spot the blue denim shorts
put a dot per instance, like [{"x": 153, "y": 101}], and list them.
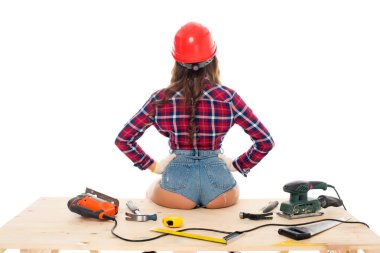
[{"x": 198, "y": 175}]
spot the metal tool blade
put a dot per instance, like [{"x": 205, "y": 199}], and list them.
[
  {"x": 307, "y": 231},
  {"x": 137, "y": 215},
  {"x": 299, "y": 216},
  {"x": 102, "y": 196},
  {"x": 323, "y": 226},
  {"x": 140, "y": 217}
]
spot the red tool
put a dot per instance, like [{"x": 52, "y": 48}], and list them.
[{"x": 94, "y": 204}]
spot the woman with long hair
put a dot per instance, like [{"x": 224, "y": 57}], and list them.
[{"x": 195, "y": 112}]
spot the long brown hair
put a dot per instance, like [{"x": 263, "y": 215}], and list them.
[{"x": 190, "y": 83}]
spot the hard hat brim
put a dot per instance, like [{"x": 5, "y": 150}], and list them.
[{"x": 193, "y": 59}]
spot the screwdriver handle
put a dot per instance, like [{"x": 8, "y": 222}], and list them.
[
  {"x": 270, "y": 206},
  {"x": 251, "y": 216}
]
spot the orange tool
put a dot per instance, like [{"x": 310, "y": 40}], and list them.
[{"x": 94, "y": 204}]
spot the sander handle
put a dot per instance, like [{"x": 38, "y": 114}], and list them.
[
  {"x": 304, "y": 186},
  {"x": 318, "y": 185}
]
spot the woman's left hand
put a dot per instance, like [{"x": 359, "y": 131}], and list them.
[
  {"x": 160, "y": 167},
  {"x": 228, "y": 162}
]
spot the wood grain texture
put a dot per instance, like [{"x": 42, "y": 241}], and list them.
[
  {"x": 48, "y": 224},
  {"x": 34, "y": 251}
]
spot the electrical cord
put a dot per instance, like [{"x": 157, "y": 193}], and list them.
[
  {"x": 132, "y": 240},
  {"x": 156, "y": 237},
  {"x": 238, "y": 232},
  {"x": 301, "y": 224},
  {"x": 224, "y": 232},
  {"x": 331, "y": 186}
]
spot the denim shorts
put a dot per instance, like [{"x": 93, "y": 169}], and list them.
[{"x": 198, "y": 175}]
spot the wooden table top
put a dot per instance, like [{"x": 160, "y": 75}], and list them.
[{"x": 48, "y": 224}]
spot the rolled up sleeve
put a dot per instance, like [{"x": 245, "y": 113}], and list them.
[
  {"x": 260, "y": 136},
  {"x": 132, "y": 131}
]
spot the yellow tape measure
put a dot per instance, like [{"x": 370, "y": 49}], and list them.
[{"x": 172, "y": 221}]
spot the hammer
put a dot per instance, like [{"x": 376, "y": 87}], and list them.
[{"x": 136, "y": 215}]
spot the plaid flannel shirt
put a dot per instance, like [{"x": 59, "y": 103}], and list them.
[{"x": 218, "y": 109}]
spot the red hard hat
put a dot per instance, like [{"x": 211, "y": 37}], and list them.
[{"x": 193, "y": 43}]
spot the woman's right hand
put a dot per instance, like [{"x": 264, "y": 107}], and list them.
[
  {"x": 228, "y": 162},
  {"x": 160, "y": 167}
]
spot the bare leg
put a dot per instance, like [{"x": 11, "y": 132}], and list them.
[
  {"x": 168, "y": 199},
  {"x": 226, "y": 199}
]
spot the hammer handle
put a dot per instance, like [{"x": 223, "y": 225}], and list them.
[{"x": 132, "y": 207}]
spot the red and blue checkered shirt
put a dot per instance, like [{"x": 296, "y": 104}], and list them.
[{"x": 218, "y": 109}]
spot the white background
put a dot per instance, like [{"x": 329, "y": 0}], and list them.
[{"x": 72, "y": 73}]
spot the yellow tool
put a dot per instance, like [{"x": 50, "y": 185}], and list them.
[
  {"x": 223, "y": 240},
  {"x": 190, "y": 235},
  {"x": 172, "y": 221}
]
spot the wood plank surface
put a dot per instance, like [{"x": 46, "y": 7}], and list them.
[
  {"x": 48, "y": 224},
  {"x": 34, "y": 251}
]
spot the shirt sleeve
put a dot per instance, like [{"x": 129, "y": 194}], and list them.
[
  {"x": 262, "y": 140},
  {"x": 132, "y": 131}
]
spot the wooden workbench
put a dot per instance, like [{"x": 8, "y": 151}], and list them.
[{"x": 48, "y": 225}]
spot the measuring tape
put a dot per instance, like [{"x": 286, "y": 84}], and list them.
[{"x": 172, "y": 221}]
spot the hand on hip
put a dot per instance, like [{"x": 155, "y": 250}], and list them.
[
  {"x": 228, "y": 162},
  {"x": 160, "y": 167}
]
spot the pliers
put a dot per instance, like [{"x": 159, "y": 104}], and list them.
[{"x": 251, "y": 216}]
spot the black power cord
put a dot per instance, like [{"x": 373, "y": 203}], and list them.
[
  {"x": 132, "y": 240},
  {"x": 331, "y": 186},
  {"x": 226, "y": 232},
  {"x": 301, "y": 224},
  {"x": 237, "y": 232}
]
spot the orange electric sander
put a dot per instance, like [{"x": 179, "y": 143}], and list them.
[{"x": 94, "y": 204}]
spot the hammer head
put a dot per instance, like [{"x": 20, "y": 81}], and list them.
[{"x": 140, "y": 217}]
